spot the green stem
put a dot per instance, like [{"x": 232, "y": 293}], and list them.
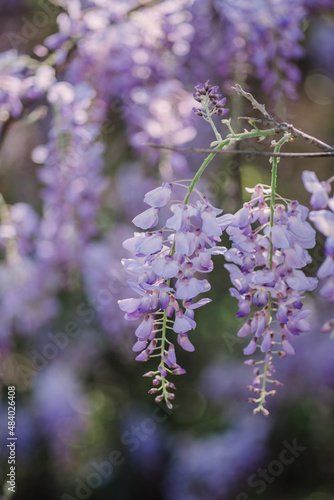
[
  {"x": 205, "y": 163},
  {"x": 229, "y": 139},
  {"x": 163, "y": 340},
  {"x": 274, "y": 161},
  {"x": 205, "y": 104}
]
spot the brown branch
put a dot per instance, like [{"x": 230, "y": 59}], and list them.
[
  {"x": 287, "y": 127},
  {"x": 256, "y": 105},
  {"x": 240, "y": 152}
]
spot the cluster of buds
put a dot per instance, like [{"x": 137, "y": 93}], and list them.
[{"x": 212, "y": 103}]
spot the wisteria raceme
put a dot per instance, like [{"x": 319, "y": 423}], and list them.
[
  {"x": 21, "y": 81},
  {"x": 323, "y": 218},
  {"x": 163, "y": 275},
  {"x": 27, "y": 292},
  {"x": 71, "y": 172},
  {"x": 265, "y": 270}
]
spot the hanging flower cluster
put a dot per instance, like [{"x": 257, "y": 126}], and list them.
[
  {"x": 163, "y": 276},
  {"x": 323, "y": 219},
  {"x": 265, "y": 264}
]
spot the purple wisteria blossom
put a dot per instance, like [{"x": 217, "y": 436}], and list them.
[
  {"x": 265, "y": 269},
  {"x": 71, "y": 173},
  {"x": 28, "y": 291},
  {"x": 163, "y": 276},
  {"x": 21, "y": 82},
  {"x": 323, "y": 218}
]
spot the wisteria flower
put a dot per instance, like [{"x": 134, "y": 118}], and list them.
[{"x": 165, "y": 268}]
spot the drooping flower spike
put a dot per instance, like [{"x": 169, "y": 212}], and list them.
[
  {"x": 265, "y": 268},
  {"x": 163, "y": 277},
  {"x": 323, "y": 218}
]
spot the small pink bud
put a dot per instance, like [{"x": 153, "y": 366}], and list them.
[{"x": 169, "y": 405}]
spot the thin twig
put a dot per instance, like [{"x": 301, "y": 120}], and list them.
[
  {"x": 288, "y": 127},
  {"x": 240, "y": 152},
  {"x": 239, "y": 90}
]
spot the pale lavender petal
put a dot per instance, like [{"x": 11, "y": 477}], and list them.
[
  {"x": 166, "y": 267},
  {"x": 131, "y": 243},
  {"x": 171, "y": 354},
  {"x": 260, "y": 298},
  {"x": 326, "y": 269},
  {"x": 287, "y": 347},
  {"x": 145, "y": 328},
  {"x": 327, "y": 290},
  {"x": 244, "y": 307},
  {"x": 245, "y": 330},
  {"x": 323, "y": 221},
  {"x": 199, "y": 303},
  {"x": 183, "y": 324},
  {"x": 149, "y": 245},
  {"x": 210, "y": 225},
  {"x": 298, "y": 281},
  {"x": 143, "y": 356},
  {"x": 133, "y": 267},
  {"x": 329, "y": 246},
  {"x": 281, "y": 314},
  {"x": 318, "y": 189},
  {"x": 147, "y": 219},
  {"x": 300, "y": 228},
  {"x": 129, "y": 305},
  {"x": 160, "y": 196},
  {"x": 279, "y": 237},
  {"x": 319, "y": 199},
  {"x": 251, "y": 348},
  {"x": 241, "y": 217},
  {"x": 184, "y": 243},
  {"x": 266, "y": 343},
  {"x": 139, "y": 345},
  {"x": 179, "y": 371},
  {"x": 261, "y": 324},
  {"x": 184, "y": 342},
  {"x": 310, "y": 180},
  {"x": 175, "y": 222},
  {"x": 164, "y": 298},
  {"x": 189, "y": 288},
  {"x": 224, "y": 221},
  {"x": 135, "y": 287},
  {"x": 263, "y": 277},
  {"x": 296, "y": 327},
  {"x": 296, "y": 256}
]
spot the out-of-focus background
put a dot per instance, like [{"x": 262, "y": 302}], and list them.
[{"x": 83, "y": 84}]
